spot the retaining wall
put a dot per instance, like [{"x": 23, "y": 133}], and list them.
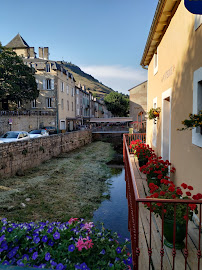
[{"x": 19, "y": 156}]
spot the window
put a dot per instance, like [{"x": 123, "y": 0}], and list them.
[
  {"x": 156, "y": 62},
  {"x": 62, "y": 87},
  {"x": 33, "y": 103},
  {"x": 77, "y": 100},
  {"x": 72, "y": 92},
  {"x": 67, "y": 89},
  {"x": 197, "y": 104},
  {"x": 47, "y": 67},
  {"x": 49, "y": 102},
  {"x": 62, "y": 104},
  {"x": 198, "y": 21},
  {"x": 48, "y": 84},
  {"x": 72, "y": 106},
  {"x": 68, "y": 105},
  {"x": 77, "y": 111}
]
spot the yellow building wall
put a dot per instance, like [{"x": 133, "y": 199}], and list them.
[{"x": 179, "y": 55}]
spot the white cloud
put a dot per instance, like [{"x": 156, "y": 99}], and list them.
[{"x": 117, "y": 77}]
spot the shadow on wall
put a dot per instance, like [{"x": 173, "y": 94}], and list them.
[{"x": 135, "y": 109}]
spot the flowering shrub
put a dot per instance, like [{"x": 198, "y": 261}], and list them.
[
  {"x": 133, "y": 144},
  {"x": 169, "y": 191},
  {"x": 195, "y": 120},
  {"x": 143, "y": 151},
  {"x": 153, "y": 113},
  {"x": 157, "y": 168},
  {"x": 70, "y": 245}
]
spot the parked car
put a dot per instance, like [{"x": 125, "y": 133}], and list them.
[
  {"x": 14, "y": 136},
  {"x": 51, "y": 130},
  {"x": 38, "y": 133}
]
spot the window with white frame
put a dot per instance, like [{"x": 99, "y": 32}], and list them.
[
  {"x": 62, "y": 86},
  {"x": 67, "y": 89},
  {"x": 62, "y": 104},
  {"x": 68, "y": 105},
  {"x": 198, "y": 21},
  {"x": 156, "y": 62},
  {"x": 49, "y": 102},
  {"x": 197, "y": 104},
  {"x": 33, "y": 103},
  {"x": 77, "y": 100},
  {"x": 47, "y": 67}
]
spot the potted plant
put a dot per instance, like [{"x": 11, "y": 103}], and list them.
[
  {"x": 156, "y": 169},
  {"x": 154, "y": 113},
  {"x": 169, "y": 191},
  {"x": 133, "y": 144},
  {"x": 143, "y": 152},
  {"x": 194, "y": 121}
]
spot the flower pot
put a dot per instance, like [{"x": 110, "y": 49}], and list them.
[
  {"x": 142, "y": 162},
  {"x": 154, "y": 180},
  {"x": 180, "y": 234}
]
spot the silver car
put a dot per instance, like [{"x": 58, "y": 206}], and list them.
[
  {"x": 38, "y": 133},
  {"x": 14, "y": 136}
]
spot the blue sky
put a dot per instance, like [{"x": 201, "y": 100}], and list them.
[{"x": 106, "y": 38}]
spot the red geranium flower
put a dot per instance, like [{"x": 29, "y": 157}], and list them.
[{"x": 188, "y": 193}]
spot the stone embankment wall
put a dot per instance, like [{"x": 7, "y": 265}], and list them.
[
  {"x": 16, "y": 157},
  {"x": 25, "y": 122}
]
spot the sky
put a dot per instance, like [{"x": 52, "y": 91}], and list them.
[{"x": 105, "y": 38}]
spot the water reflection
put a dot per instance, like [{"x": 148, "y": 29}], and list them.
[{"x": 114, "y": 212}]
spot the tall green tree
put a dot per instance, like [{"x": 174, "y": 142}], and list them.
[
  {"x": 117, "y": 103},
  {"x": 17, "y": 81}
]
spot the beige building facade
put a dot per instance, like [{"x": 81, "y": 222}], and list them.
[
  {"x": 174, "y": 59},
  {"x": 138, "y": 102}
]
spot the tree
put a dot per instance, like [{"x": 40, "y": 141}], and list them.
[
  {"x": 17, "y": 81},
  {"x": 117, "y": 103}
]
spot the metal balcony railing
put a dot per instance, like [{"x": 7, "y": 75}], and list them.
[{"x": 147, "y": 230}]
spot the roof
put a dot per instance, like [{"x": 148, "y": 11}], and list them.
[
  {"x": 111, "y": 120},
  {"x": 164, "y": 12},
  {"x": 137, "y": 85},
  {"x": 17, "y": 42}
]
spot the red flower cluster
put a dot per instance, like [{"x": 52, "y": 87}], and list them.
[
  {"x": 157, "y": 168},
  {"x": 133, "y": 144},
  {"x": 143, "y": 151},
  {"x": 168, "y": 190}
]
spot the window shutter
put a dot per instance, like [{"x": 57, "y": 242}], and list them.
[
  {"x": 52, "y": 84},
  {"x": 44, "y": 84}
]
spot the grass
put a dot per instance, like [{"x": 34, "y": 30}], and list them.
[{"x": 71, "y": 185}]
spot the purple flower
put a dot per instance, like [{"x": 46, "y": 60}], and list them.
[
  {"x": 10, "y": 229},
  {"x": 36, "y": 239},
  {"x": 20, "y": 263},
  {"x": 56, "y": 235},
  {"x": 2, "y": 238},
  {"x": 53, "y": 263},
  {"x": 129, "y": 260},
  {"x": 44, "y": 239},
  {"x": 118, "y": 250},
  {"x": 71, "y": 248},
  {"x": 50, "y": 230},
  {"x": 77, "y": 266},
  {"x": 42, "y": 265},
  {"x": 5, "y": 262},
  {"x": 35, "y": 255},
  {"x": 47, "y": 256},
  {"x": 102, "y": 252},
  {"x": 60, "y": 266},
  {"x": 25, "y": 257},
  {"x": 4, "y": 221},
  {"x": 111, "y": 264},
  {"x": 83, "y": 266},
  {"x": 50, "y": 243}
]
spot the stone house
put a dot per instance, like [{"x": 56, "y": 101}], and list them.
[
  {"x": 173, "y": 56},
  {"x": 56, "y": 84}
]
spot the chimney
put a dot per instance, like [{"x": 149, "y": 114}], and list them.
[
  {"x": 41, "y": 52},
  {"x": 83, "y": 87},
  {"x": 31, "y": 52},
  {"x": 46, "y": 53}
]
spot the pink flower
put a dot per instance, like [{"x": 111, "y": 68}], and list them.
[
  {"x": 87, "y": 226},
  {"x": 80, "y": 244},
  {"x": 72, "y": 220}
]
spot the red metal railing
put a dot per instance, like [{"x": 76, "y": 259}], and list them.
[{"x": 189, "y": 257}]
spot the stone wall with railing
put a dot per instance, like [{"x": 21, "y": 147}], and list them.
[{"x": 16, "y": 157}]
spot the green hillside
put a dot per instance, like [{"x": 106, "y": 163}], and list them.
[{"x": 93, "y": 85}]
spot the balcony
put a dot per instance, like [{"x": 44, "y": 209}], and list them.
[{"x": 147, "y": 240}]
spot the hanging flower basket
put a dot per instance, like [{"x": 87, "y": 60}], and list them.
[
  {"x": 194, "y": 121},
  {"x": 154, "y": 113}
]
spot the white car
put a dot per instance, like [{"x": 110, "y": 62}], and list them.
[
  {"x": 14, "y": 136},
  {"x": 38, "y": 133}
]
